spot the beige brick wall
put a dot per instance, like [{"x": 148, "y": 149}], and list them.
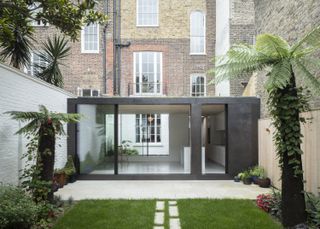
[{"x": 173, "y": 19}]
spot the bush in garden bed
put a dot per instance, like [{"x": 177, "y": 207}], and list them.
[
  {"x": 17, "y": 209},
  {"x": 271, "y": 203}
]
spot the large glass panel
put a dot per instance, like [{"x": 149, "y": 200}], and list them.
[
  {"x": 154, "y": 139},
  {"x": 96, "y": 139},
  {"x": 213, "y": 139}
]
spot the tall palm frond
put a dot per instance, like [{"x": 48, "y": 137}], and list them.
[
  {"x": 55, "y": 50},
  {"x": 36, "y": 119},
  {"x": 16, "y": 38},
  {"x": 275, "y": 55},
  {"x": 310, "y": 40}
]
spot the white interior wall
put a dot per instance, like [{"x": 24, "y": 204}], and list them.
[
  {"x": 20, "y": 92},
  {"x": 215, "y": 152}
]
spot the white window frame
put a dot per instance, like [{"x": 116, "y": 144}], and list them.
[
  {"x": 37, "y": 23},
  {"x": 80, "y": 91},
  {"x": 192, "y": 76},
  {"x": 139, "y": 54},
  {"x": 204, "y": 31},
  {"x": 146, "y": 25},
  {"x": 31, "y": 65},
  {"x": 156, "y": 142},
  {"x": 83, "y": 50}
]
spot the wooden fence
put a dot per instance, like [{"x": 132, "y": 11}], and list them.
[{"x": 310, "y": 147}]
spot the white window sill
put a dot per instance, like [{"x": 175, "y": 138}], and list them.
[
  {"x": 90, "y": 52},
  {"x": 146, "y": 26},
  {"x": 198, "y": 54}
]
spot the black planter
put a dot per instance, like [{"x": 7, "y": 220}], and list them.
[
  {"x": 264, "y": 183},
  {"x": 236, "y": 179},
  {"x": 72, "y": 178},
  {"x": 247, "y": 181},
  {"x": 255, "y": 179}
]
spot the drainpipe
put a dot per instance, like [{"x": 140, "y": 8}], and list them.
[
  {"x": 114, "y": 34},
  {"x": 104, "y": 50},
  {"x": 117, "y": 47}
]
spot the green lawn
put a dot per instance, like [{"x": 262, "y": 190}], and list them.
[
  {"x": 109, "y": 214},
  {"x": 139, "y": 214},
  {"x": 223, "y": 214}
]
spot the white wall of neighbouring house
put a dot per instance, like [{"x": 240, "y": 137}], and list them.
[
  {"x": 222, "y": 40},
  {"x": 20, "y": 92}
]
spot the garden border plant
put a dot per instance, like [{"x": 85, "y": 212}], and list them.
[{"x": 283, "y": 63}]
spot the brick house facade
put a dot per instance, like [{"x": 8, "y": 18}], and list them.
[{"x": 171, "y": 37}]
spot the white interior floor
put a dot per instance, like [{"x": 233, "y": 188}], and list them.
[{"x": 155, "y": 168}]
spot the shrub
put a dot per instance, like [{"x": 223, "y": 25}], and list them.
[
  {"x": 270, "y": 203},
  {"x": 258, "y": 171},
  {"x": 17, "y": 209},
  {"x": 313, "y": 210},
  {"x": 264, "y": 201}
]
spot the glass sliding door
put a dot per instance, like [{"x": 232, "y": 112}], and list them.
[{"x": 95, "y": 143}]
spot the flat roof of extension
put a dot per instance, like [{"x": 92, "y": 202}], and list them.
[{"x": 163, "y": 100}]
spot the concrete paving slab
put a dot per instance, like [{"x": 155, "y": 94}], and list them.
[
  {"x": 172, "y": 202},
  {"x": 173, "y": 211},
  {"x": 174, "y": 223},
  {"x": 160, "y": 206},
  {"x": 172, "y": 189},
  {"x": 159, "y": 218}
]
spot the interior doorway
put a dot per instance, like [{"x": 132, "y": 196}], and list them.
[{"x": 214, "y": 139}]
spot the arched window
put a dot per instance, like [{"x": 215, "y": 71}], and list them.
[
  {"x": 197, "y": 32},
  {"x": 198, "y": 85}
]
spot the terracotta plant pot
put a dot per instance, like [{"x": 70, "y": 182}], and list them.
[
  {"x": 60, "y": 178},
  {"x": 264, "y": 182}
]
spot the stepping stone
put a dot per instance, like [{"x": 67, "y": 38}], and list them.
[
  {"x": 174, "y": 224},
  {"x": 172, "y": 202},
  {"x": 173, "y": 211},
  {"x": 158, "y": 227},
  {"x": 159, "y": 218},
  {"x": 160, "y": 206}
]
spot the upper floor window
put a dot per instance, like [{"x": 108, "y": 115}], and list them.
[
  {"x": 148, "y": 73},
  {"x": 197, "y": 33},
  {"x": 35, "y": 10},
  {"x": 147, "y": 13},
  {"x": 36, "y": 62},
  {"x": 90, "y": 38},
  {"x": 198, "y": 85}
]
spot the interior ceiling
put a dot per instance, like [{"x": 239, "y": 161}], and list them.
[{"x": 167, "y": 109}]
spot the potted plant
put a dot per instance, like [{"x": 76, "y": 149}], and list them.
[
  {"x": 59, "y": 177},
  {"x": 264, "y": 182},
  {"x": 256, "y": 173},
  {"x": 70, "y": 170},
  {"x": 246, "y": 177},
  {"x": 237, "y": 178}
]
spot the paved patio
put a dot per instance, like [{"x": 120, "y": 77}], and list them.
[{"x": 173, "y": 189}]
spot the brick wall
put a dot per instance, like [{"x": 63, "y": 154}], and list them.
[
  {"x": 241, "y": 31},
  {"x": 171, "y": 38},
  {"x": 84, "y": 70},
  {"x": 289, "y": 19},
  {"x": 20, "y": 92}
]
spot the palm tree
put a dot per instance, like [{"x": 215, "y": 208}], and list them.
[
  {"x": 16, "y": 36},
  {"x": 55, "y": 50},
  {"x": 46, "y": 125},
  {"x": 285, "y": 101}
]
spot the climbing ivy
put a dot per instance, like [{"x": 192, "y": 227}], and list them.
[{"x": 285, "y": 106}]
